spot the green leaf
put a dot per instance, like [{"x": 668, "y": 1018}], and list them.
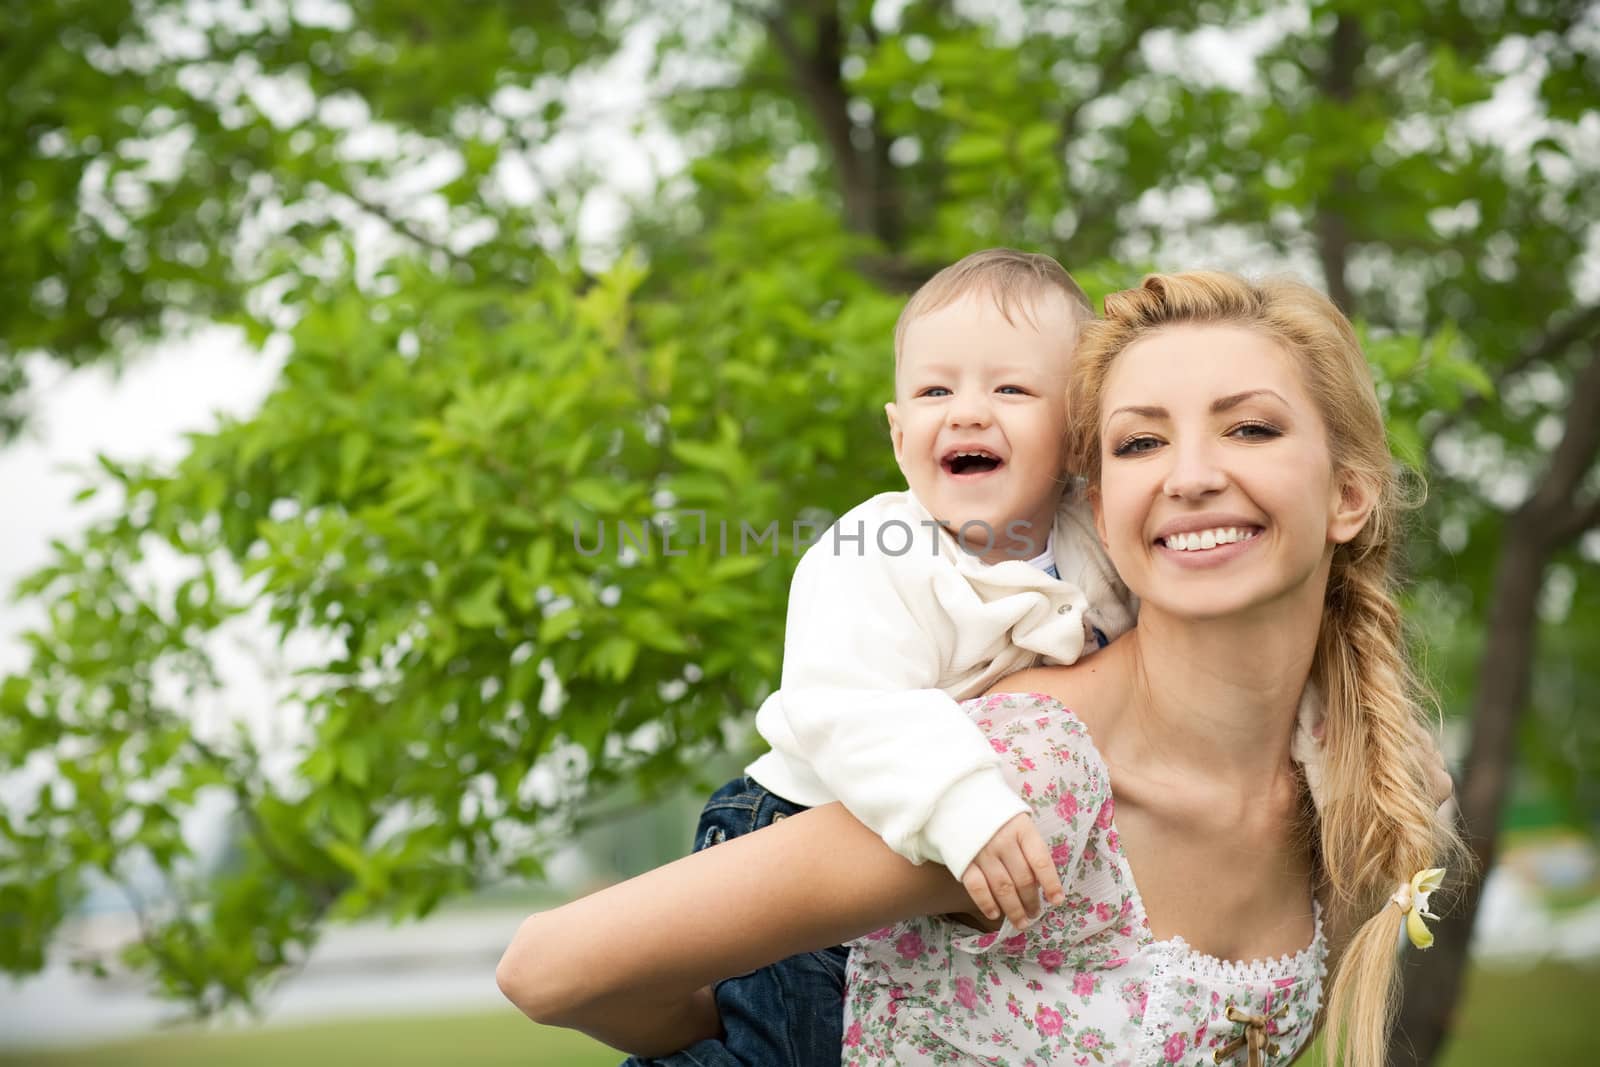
[
  {"x": 353, "y": 761},
  {"x": 354, "y": 449},
  {"x": 559, "y": 625},
  {"x": 976, "y": 150},
  {"x": 540, "y": 554},
  {"x": 348, "y": 817},
  {"x": 1038, "y": 138},
  {"x": 480, "y": 609},
  {"x": 716, "y": 457},
  {"x": 613, "y": 657},
  {"x": 653, "y": 630},
  {"x": 731, "y": 567},
  {"x": 319, "y": 766},
  {"x": 603, "y": 497}
]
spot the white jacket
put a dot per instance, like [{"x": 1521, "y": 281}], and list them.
[{"x": 880, "y": 648}]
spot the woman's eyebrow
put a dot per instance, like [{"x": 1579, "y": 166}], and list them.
[
  {"x": 1219, "y": 405},
  {"x": 1142, "y": 412},
  {"x": 1227, "y": 403}
]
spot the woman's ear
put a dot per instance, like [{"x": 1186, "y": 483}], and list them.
[
  {"x": 1092, "y": 494},
  {"x": 1351, "y": 506}
]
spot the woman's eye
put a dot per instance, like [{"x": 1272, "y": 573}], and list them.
[
  {"x": 1135, "y": 445},
  {"x": 1259, "y": 431}
]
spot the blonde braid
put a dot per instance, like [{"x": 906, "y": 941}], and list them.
[{"x": 1377, "y": 823}]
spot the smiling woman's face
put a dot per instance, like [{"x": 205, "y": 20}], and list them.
[{"x": 1217, "y": 490}]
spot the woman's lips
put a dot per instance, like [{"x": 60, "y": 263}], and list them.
[{"x": 1211, "y": 547}]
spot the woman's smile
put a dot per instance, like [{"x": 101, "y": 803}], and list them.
[{"x": 1211, "y": 546}]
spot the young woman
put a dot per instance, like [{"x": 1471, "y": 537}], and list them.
[{"x": 1243, "y": 488}]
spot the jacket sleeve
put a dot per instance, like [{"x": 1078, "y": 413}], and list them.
[
  {"x": 1081, "y": 559},
  {"x": 859, "y": 703}
]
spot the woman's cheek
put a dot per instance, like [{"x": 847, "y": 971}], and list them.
[{"x": 1123, "y": 528}]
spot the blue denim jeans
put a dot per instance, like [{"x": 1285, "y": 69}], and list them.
[{"x": 790, "y": 1014}]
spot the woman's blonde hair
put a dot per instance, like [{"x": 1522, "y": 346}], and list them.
[{"x": 1377, "y": 821}]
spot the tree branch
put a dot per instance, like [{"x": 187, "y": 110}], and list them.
[
  {"x": 405, "y": 228},
  {"x": 1112, "y": 67},
  {"x": 1581, "y": 521},
  {"x": 1551, "y": 505},
  {"x": 869, "y": 196},
  {"x": 322, "y": 892},
  {"x": 1554, "y": 342}
]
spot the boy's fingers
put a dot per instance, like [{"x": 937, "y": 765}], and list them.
[
  {"x": 1022, "y": 878},
  {"x": 978, "y": 889},
  {"x": 1044, "y": 868},
  {"x": 1004, "y": 888},
  {"x": 1440, "y": 783}
]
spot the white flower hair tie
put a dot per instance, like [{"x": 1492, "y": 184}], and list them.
[{"x": 1412, "y": 900}]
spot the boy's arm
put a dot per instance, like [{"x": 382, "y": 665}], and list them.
[{"x": 864, "y": 652}]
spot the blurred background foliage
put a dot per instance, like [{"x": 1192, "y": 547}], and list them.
[{"x": 496, "y": 349}]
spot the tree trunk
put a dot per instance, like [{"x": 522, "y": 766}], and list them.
[
  {"x": 1338, "y": 82},
  {"x": 1557, "y": 512},
  {"x": 867, "y": 185},
  {"x": 1433, "y": 978}
]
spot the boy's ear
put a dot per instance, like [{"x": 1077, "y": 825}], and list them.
[
  {"x": 897, "y": 435},
  {"x": 1351, "y": 506}
]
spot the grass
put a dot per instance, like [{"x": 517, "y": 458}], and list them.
[
  {"x": 491, "y": 1039},
  {"x": 1538, "y": 1017},
  {"x": 1541, "y": 1016}
]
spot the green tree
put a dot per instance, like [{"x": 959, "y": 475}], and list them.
[{"x": 479, "y": 377}]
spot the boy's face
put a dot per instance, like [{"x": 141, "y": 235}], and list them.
[{"x": 979, "y": 420}]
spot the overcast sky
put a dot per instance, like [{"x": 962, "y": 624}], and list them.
[{"x": 141, "y": 415}]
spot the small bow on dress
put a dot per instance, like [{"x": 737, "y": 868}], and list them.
[{"x": 1254, "y": 1039}]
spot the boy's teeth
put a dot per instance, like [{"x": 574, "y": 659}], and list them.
[{"x": 1199, "y": 540}]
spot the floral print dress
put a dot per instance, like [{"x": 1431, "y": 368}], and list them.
[{"x": 1086, "y": 983}]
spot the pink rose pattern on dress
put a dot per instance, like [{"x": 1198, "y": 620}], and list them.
[{"x": 1086, "y": 984}]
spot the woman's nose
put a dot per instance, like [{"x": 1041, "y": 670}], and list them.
[{"x": 1195, "y": 473}]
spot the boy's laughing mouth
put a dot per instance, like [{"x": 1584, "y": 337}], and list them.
[{"x": 970, "y": 462}]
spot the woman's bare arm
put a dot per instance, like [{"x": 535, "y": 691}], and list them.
[{"x": 631, "y": 965}]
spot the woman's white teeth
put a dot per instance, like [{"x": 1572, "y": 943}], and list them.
[{"x": 1195, "y": 540}]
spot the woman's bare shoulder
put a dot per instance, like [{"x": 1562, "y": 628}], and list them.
[{"x": 1088, "y": 687}]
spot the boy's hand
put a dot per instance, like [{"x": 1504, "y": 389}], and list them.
[
  {"x": 1440, "y": 784},
  {"x": 1009, "y": 873}
]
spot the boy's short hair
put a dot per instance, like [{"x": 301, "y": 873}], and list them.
[{"x": 1013, "y": 279}]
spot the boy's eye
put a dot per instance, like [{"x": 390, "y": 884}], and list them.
[
  {"x": 935, "y": 390},
  {"x": 1136, "y": 444},
  {"x": 1012, "y": 390}
]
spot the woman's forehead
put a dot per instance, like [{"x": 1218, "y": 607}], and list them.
[{"x": 1193, "y": 365}]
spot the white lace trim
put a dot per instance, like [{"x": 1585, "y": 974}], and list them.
[{"x": 1290, "y": 965}]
